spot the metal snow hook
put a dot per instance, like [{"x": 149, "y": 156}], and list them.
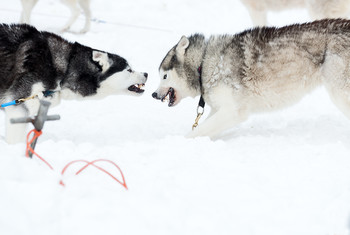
[{"x": 38, "y": 121}]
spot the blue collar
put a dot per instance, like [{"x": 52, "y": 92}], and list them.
[{"x": 48, "y": 93}]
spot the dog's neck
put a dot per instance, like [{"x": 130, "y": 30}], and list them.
[{"x": 193, "y": 61}]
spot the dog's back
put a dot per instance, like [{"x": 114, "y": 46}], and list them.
[
  {"x": 26, "y": 55},
  {"x": 318, "y": 9},
  {"x": 281, "y": 65},
  {"x": 14, "y": 40}
]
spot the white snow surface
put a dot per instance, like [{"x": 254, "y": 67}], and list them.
[{"x": 281, "y": 173}]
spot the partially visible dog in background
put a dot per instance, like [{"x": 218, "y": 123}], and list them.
[
  {"x": 74, "y": 5},
  {"x": 317, "y": 9}
]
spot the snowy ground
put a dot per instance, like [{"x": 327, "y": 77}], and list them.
[{"x": 278, "y": 173}]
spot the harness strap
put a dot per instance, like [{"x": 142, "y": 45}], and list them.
[{"x": 19, "y": 101}]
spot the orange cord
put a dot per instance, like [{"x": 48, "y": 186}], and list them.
[
  {"x": 29, "y": 148},
  {"x": 38, "y": 133},
  {"x": 100, "y": 168}
]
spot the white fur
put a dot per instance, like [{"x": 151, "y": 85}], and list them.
[
  {"x": 173, "y": 80},
  {"x": 318, "y": 9},
  {"x": 118, "y": 83},
  {"x": 224, "y": 114},
  {"x": 102, "y": 59},
  {"x": 74, "y": 6}
]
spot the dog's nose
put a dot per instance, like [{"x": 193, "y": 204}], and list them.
[
  {"x": 145, "y": 74},
  {"x": 155, "y": 95}
]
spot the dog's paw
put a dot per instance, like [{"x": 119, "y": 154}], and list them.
[
  {"x": 84, "y": 30},
  {"x": 64, "y": 29}
]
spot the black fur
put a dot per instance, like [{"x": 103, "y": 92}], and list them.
[{"x": 29, "y": 56}]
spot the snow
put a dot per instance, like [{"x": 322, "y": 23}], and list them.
[{"x": 285, "y": 172}]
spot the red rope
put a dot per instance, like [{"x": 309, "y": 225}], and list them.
[
  {"x": 100, "y": 168},
  {"x": 36, "y": 134},
  {"x": 29, "y": 148}
]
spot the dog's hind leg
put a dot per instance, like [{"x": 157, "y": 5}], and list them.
[
  {"x": 320, "y": 9},
  {"x": 259, "y": 18},
  {"x": 15, "y": 133},
  {"x": 27, "y": 7},
  {"x": 75, "y": 12},
  {"x": 219, "y": 121},
  {"x": 336, "y": 81},
  {"x": 85, "y": 5},
  {"x": 341, "y": 99}
]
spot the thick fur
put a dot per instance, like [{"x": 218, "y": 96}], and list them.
[
  {"x": 317, "y": 9},
  {"x": 74, "y": 6},
  {"x": 33, "y": 62},
  {"x": 259, "y": 70}
]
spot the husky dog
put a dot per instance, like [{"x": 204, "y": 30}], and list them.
[
  {"x": 73, "y": 5},
  {"x": 318, "y": 9},
  {"x": 45, "y": 66},
  {"x": 258, "y": 70}
]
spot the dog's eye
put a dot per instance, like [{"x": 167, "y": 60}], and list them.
[
  {"x": 165, "y": 76},
  {"x": 129, "y": 70}
]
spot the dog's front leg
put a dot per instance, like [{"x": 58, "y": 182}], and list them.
[
  {"x": 75, "y": 11},
  {"x": 27, "y": 6},
  {"x": 259, "y": 18},
  {"x": 217, "y": 122},
  {"x": 85, "y": 5},
  {"x": 15, "y": 133}
]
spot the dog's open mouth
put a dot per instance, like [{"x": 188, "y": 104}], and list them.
[
  {"x": 137, "y": 88},
  {"x": 171, "y": 96}
]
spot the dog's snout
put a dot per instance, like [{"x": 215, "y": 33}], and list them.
[
  {"x": 145, "y": 74},
  {"x": 155, "y": 95}
]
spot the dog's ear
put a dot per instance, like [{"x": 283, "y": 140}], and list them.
[
  {"x": 101, "y": 58},
  {"x": 182, "y": 46}
]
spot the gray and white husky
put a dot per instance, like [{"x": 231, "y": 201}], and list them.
[
  {"x": 45, "y": 66},
  {"x": 258, "y": 70},
  {"x": 318, "y": 9}
]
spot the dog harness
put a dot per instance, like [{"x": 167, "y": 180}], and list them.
[{"x": 19, "y": 101}]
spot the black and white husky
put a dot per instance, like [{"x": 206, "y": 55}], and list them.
[
  {"x": 258, "y": 70},
  {"x": 45, "y": 66}
]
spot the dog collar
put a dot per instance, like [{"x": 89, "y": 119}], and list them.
[
  {"x": 201, "y": 104},
  {"x": 48, "y": 93},
  {"x": 201, "y": 100}
]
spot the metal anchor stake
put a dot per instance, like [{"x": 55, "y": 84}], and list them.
[{"x": 38, "y": 121}]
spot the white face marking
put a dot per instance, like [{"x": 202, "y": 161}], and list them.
[
  {"x": 172, "y": 80},
  {"x": 119, "y": 82},
  {"x": 116, "y": 84}
]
